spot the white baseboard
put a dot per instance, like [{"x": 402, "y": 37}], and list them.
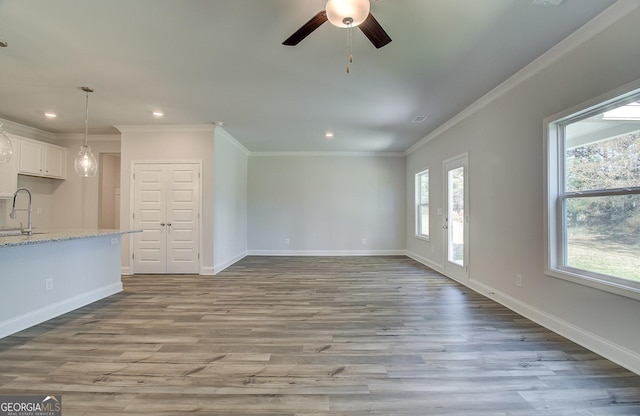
[
  {"x": 217, "y": 268},
  {"x": 614, "y": 352},
  {"x": 125, "y": 271},
  {"x": 431, "y": 264},
  {"x": 321, "y": 253},
  {"x": 206, "y": 271},
  {"x": 27, "y": 320}
]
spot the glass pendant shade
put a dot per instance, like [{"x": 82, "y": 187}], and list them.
[
  {"x": 347, "y": 13},
  {"x": 86, "y": 164},
  {"x": 6, "y": 150}
]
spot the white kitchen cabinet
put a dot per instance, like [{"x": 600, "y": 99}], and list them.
[
  {"x": 9, "y": 171},
  {"x": 42, "y": 159}
]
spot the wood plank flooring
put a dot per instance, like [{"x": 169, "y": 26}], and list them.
[{"x": 309, "y": 337}]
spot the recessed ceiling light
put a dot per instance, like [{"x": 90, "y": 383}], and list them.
[
  {"x": 50, "y": 115},
  {"x": 328, "y": 135},
  {"x": 547, "y": 2},
  {"x": 158, "y": 114}
]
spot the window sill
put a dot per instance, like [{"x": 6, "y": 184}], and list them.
[
  {"x": 596, "y": 283},
  {"x": 422, "y": 237}
]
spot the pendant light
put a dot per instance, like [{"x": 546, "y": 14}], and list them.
[
  {"x": 6, "y": 150},
  {"x": 86, "y": 164}
]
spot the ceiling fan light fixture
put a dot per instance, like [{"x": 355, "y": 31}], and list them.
[{"x": 347, "y": 13}]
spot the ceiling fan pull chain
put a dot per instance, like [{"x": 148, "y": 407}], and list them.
[{"x": 349, "y": 46}]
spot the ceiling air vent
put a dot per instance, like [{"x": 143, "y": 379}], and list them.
[{"x": 419, "y": 119}]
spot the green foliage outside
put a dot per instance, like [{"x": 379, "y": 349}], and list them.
[{"x": 603, "y": 232}]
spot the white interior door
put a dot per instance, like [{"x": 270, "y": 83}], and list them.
[
  {"x": 149, "y": 246},
  {"x": 183, "y": 218},
  {"x": 456, "y": 222},
  {"x": 166, "y": 209}
]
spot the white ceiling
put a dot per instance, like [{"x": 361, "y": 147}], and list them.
[{"x": 202, "y": 61}]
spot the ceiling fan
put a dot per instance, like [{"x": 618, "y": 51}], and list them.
[{"x": 344, "y": 14}]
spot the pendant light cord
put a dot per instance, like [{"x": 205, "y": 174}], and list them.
[{"x": 86, "y": 116}]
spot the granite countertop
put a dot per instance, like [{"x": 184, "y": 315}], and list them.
[{"x": 41, "y": 236}]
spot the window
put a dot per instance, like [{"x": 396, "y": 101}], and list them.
[
  {"x": 422, "y": 204},
  {"x": 593, "y": 195}
]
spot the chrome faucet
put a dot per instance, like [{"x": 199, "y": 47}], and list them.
[{"x": 29, "y": 229}]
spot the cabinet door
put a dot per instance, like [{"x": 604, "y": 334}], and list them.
[
  {"x": 55, "y": 159},
  {"x": 9, "y": 172},
  {"x": 31, "y": 158}
]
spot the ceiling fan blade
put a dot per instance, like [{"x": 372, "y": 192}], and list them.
[
  {"x": 376, "y": 34},
  {"x": 306, "y": 29}
]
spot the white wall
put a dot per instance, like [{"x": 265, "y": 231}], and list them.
[
  {"x": 108, "y": 212},
  {"x": 76, "y": 199},
  {"x": 229, "y": 201},
  {"x": 326, "y": 204},
  {"x": 504, "y": 137},
  {"x": 168, "y": 143}
]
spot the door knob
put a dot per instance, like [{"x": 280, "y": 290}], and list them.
[
  {"x": 162, "y": 224},
  {"x": 169, "y": 224}
]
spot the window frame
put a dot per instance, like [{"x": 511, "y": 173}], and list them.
[
  {"x": 418, "y": 205},
  {"x": 555, "y": 196}
]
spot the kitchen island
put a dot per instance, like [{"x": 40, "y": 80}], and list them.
[{"x": 47, "y": 274}]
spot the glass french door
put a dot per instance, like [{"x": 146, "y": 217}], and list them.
[{"x": 456, "y": 221}]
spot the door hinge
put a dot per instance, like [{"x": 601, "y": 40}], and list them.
[
  {"x": 133, "y": 256},
  {"x": 134, "y": 176},
  {"x": 133, "y": 216},
  {"x": 198, "y": 255}
]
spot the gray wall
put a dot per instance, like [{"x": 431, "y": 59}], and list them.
[
  {"x": 504, "y": 138},
  {"x": 326, "y": 204}
]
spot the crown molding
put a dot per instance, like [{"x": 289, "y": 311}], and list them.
[
  {"x": 222, "y": 133},
  {"x": 327, "y": 154},
  {"x": 26, "y": 131},
  {"x": 165, "y": 128},
  {"x": 595, "y": 26}
]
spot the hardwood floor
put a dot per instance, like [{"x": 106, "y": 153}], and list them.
[{"x": 310, "y": 337}]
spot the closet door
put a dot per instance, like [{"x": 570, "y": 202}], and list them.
[
  {"x": 183, "y": 202},
  {"x": 167, "y": 209},
  {"x": 149, "y": 215}
]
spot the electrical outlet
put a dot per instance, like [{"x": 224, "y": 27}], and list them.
[
  {"x": 519, "y": 280},
  {"x": 48, "y": 285},
  {"x": 38, "y": 211},
  {"x": 364, "y": 241},
  {"x": 114, "y": 240},
  {"x": 286, "y": 241}
]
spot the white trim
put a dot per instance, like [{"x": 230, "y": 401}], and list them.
[
  {"x": 328, "y": 154},
  {"x": 125, "y": 270},
  {"x": 337, "y": 253},
  {"x": 429, "y": 263},
  {"x": 165, "y": 128},
  {"x": 598, "y": 24},
  {"x": 91, "y": 137},
  {"x": 38, "y": 316},
  {"x": 217, "y": 268},
  {"x": 206, "y": 271},
  {"x": 609, "y": 350},
  {"x": 26, "y": 131},
  {"x": 225, "y": 134}
]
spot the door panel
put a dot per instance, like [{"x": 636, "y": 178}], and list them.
[
  {"x": 456, "y": 227},
  {"x": 183, "y": 215},
  {"x": 166, "y": 208},
  {"x": 149, "y": 213}
]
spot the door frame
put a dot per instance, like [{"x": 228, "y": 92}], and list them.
[
  {"x": 132, "y": 191},
  {"x": 462, "y": 275}
]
